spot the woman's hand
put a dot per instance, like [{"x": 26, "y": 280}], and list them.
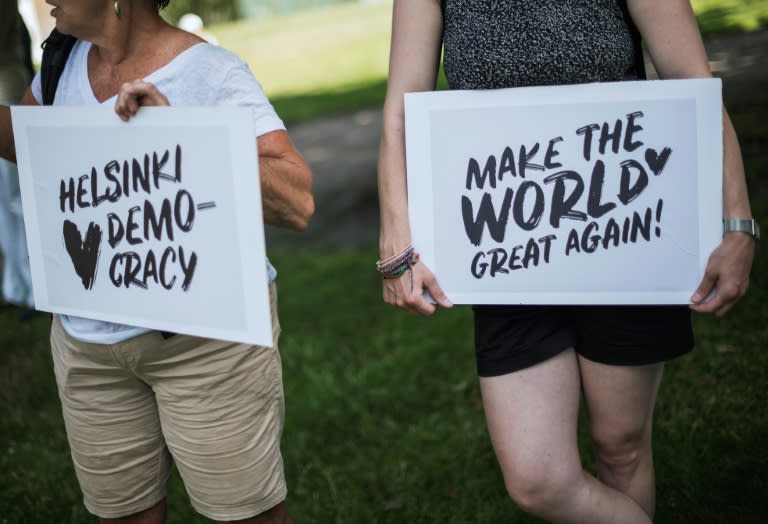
[
  {"x": 406, "y": 291},
  {"x": 133, "y": 95},
  {"x": 727, "y": 275}
]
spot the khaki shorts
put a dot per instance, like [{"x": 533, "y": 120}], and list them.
[{"x": 214, "y": 408}]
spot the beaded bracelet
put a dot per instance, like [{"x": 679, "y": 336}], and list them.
[
  {"x": 395, "y": 266},
  {"x": 398, "y": 270},
  {"x": 387, "y": 261}
]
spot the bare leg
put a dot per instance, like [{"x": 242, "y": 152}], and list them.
[
  {"x": 620, "y": 403},
  {"x": 277, "y": 515},
  {"x": 532, "y": 416},
  {"x": 153, "y": 515}
]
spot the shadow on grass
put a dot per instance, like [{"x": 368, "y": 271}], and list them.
[{"x": 295, "y": 108}]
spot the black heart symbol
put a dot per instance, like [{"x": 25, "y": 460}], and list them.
[
  {"x": 657, "y": 161},
  {"x": 84, "y": 253}
]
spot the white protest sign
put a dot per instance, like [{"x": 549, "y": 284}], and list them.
[
  {"x": 154, "y": 223},
  {"x": 605, "y": 193}
]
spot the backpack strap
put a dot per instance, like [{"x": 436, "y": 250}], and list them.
[{"x": 56, "y": 49}]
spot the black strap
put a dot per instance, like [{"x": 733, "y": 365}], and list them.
[{"x": 56, "y": 49}]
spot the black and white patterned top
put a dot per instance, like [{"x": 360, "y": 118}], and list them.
[{"x": 511, "y": 43}]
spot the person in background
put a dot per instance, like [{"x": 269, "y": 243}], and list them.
[
  {"x": 133, "y": 399},
  {"x": 15, "y": 74},
  {"x": 535, "y": 363},
  {"x": 192, "y": 23}
]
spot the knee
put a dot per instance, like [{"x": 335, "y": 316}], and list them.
[
  {"x": 620, "y": 452},
  {"x": 541, "y": 490}
]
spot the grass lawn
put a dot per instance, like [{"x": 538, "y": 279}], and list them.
[
  {"x": 729, "y": 16},
  {"x": 317, "y": 61}
]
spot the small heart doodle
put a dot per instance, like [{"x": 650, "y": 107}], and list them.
[
  {"x": 83, "y": 252},
  {"x": 657, "y": 161}
]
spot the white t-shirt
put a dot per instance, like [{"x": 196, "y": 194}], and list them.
[{"x": 202, "y": 75}]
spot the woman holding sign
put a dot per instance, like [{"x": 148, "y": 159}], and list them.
[
  {"x": 135, "y": 400},
  {"x": 535, "y": 362}
]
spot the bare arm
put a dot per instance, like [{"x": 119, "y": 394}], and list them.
[
  {"x": 7, "y": 143},
  {"x": 413, "y": 63},
  {"x": 670, "y": 32},
  {"x": 286, "y": 180}
]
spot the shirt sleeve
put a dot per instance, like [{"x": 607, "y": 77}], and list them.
[
  {"x": 241, "y": 88},
  {"x": 37, "y": 88}
]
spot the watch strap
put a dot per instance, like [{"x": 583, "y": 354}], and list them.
[{"x": 742, "y": 225}]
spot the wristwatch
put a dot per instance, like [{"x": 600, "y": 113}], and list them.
[{"x": 748, "y": 226}]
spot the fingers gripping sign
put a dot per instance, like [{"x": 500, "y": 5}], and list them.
[
  {"x": 410, "y": 285},
  {"x": 138, "y": 93},
  {"x": 727, "y": 275}
]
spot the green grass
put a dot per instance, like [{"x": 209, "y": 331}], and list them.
[
  {"x": 316, "y": 61},
  {"x": 317, "y": 49},
  {"x": 731, "y": 16}
]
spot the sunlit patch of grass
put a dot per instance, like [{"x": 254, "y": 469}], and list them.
[
  {"x": 314, "y": 50},
  {"x": 730, "y": 16}
]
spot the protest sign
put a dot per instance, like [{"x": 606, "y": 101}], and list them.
[
  {"x": 604, "y": 193},
  {"x": 154, "y": 223}
]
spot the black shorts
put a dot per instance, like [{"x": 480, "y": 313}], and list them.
[{"x": 510, "y": 338}]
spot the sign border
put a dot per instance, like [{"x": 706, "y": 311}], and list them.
[
  {"x": 247, "y": 202},
  {"x": 707, "y": 93}
]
